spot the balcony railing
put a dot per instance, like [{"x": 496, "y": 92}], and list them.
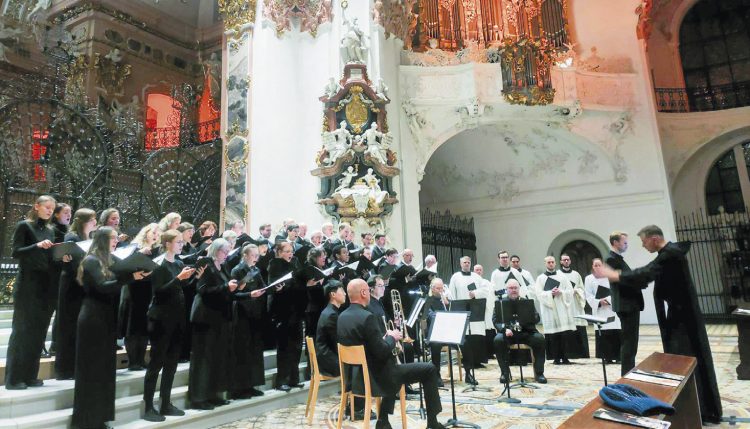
[
  {"x": 680, "y": 100},
  {"x": 203, "y": 132}
]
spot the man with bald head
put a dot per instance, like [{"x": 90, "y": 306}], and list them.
[
  {"x": 357, "y": 326},
  {"x": 521, "y": 333}
]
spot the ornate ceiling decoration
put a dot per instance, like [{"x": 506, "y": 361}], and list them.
[
  {"x": 310, "y": 13},
  {"x": 396, "y": 18}
]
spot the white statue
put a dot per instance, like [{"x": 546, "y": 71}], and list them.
[
  {"x": 332, "y": 88},
  {"x": 373, "y": 183},
  {"x": 336, "y": 143},
  {"x": 40, "y": 6},
  {"x": 353, "y": 44},
  {"x": 381, "y": 90},
  {"x": 371, "y": 135},
  {"x": 377, "y": 143},
  {"x": 346, "y": 180},
  {"x": 114, "y": 55}
]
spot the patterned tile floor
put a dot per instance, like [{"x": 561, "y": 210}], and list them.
[{"x": 569, "y": 388}]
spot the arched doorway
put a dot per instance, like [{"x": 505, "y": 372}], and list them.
[{"x": 581, "y": 253}]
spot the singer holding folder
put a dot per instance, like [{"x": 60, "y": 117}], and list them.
[
  {"x": 599, "y": 297},
  {"x": 94, "y": 392}
]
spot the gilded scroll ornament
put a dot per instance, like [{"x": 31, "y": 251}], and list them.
[
  {"x": 111, "y": 72},
  {"x": 237, "y": 14}
]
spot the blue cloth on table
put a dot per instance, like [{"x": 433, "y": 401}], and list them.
[{"x": 629, "y": 399}]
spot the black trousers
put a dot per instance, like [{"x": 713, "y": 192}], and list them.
[
  {"x": 165, "y": 353},
  {"x": 289, "y": 351},
  {"x": 31, "y": 316},
  {"x": 420, "y": 372},
  {"x": 535, "y": 340},
  {"x": 630, "y": 322}
]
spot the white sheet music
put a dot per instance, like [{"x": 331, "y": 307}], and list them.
[
  {"x": 124, "y": 252},
  {"x": 449, "y": 327},
  {"x": 85, "y": 245}
]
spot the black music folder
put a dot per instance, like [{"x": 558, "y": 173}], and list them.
[
  {"x": 67, "y": 248},
  {"x": 551, "y": 284},
  {"x": 602, "y": 292},
  {"x": 137, "y": 261}
]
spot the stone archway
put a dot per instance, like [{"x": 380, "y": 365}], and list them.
[{"x": 581, "y": 253}]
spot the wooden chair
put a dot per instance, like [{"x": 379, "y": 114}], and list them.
[
  {"x": 460, "y": 366},
  {"x": 315, "y": 378},
  {"x": 355, "y": 356}
]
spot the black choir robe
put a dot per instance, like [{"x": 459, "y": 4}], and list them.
[
  {"x": 683, "y": 330},
  {"x": 68, "y": 307},
  {"x": 248, "y": 368}
]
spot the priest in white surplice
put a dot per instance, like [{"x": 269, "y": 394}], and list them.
[
  {"x": 528, "y": 281},
  {"x": 599, "y": 297},
  {"x": 555, "y": 297},
  {"x": 577, "y": 307},
  {"x": 487, "y": 292},
  {"x": 464, "y": 285}
]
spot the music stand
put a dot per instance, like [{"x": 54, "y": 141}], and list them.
[
  {"x": 598, "y": 322},
  {"x": 523, "y": 312},
  {"x": 476, "y": 309},
  {"x": 411, "y": 322},
  {"x": 449, "y": 328}
]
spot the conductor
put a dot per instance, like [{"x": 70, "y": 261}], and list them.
[
  {"x": 518, "y": 332},
  {"x": 357, "y": 326}
]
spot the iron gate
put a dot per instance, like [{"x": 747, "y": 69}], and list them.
[
  {"x": 719, "y": 260},
  {"x": 449, "y": 238}
]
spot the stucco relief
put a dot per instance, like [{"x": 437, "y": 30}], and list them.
[
  {"x": 472, "y": 53},
  {"x": 599, "y": 89},
  {"x": 396, "y": 18},
  {"x": 310, "y": 14}
]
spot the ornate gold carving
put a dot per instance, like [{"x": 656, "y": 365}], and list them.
[
  {"x": 237, "y": 14},
  {"x": 356, "y": 112},
  {"x": 538, "y": 56},
  {"x": 111, "y": 72},
  {"x": 75, "y": 78},
  {"x": 235, "y": 161}
]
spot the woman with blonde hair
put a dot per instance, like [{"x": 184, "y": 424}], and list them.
[
  {"x": 32, "y": 239},
  {"x": 135, "y": 300},
  {"x": 170, "y": 221}
]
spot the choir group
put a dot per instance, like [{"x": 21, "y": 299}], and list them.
[{"x": 219, "y": 302}]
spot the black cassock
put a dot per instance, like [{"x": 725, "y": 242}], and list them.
[
  {"x": 31, "y": 296},
  {"x": 683, "y": 331},
  {"x": 94, "y": 397},
  {"x": 68, "y": 306},
  {"x": 287, "y": 309},
  {"x": 248, "y": 369}
]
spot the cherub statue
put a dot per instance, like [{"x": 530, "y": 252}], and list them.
[
  {"x": 346, "y": 179},
  {"x": 332, "y": 88}
]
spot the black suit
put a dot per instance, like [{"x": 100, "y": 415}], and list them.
[
  {"x": 627, "y": 302},
  {"x": 325, "y": 341},
  {"x": 358, "y": 326},
  {"x": 528, "y": 335}
]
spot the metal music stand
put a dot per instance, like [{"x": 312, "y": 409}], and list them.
[
  {"x": 476, "y": 309},
  {"x": 449, "y": 328},
  {"x": 598, "y": 322}
]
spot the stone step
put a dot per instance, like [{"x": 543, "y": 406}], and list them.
[
  {"x": 53, "y": 409},
  {"x": 5, "y": 335},
  {"x": 6, "y": 314},
  {"x": 4, "y": 348}
]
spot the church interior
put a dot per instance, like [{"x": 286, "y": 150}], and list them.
[{"x": 451, "y": 128}]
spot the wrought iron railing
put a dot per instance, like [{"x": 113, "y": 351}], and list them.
[
  {"x": 719, "y": 260},
  {"x": 203, "y": 132},
  {"x": 448, "y": 237},
  {"x": 681, "y": 100}
]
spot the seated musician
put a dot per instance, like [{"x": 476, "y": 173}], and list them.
[
  {"x": 325, "y": 337},
  {"x": 357, "y": 326},
  {"x": 515, "y": 333},
  {"x": 437, "y": 301}
]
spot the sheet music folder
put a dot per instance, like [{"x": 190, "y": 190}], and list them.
[
  {"x": 602, "y": 292},
  {"x": 473, "y": 306},
  {"x": 518, "y": 310},
  {"x": 449, "y": 328},
  {"x": 551, "y": 284}
]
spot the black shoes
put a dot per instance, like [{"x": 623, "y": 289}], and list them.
[
  {"x": 152, "y": 416},
  {"x": 64, "y": 377},
  {"x": 35, "y": 383},
  {"x": 218, "y": 402},
  {"x": 440, "y": 383},
  {"x": 284, "y": 388},
  {"x": 170, "y": 410},
  {"x": 469, "y": 379},
  {"x": 298, "y": 385},
  {"x": 480, "y": 366},
  {"x": 16, "y": 386},
  {"x": 136, "y": 368},
  {"x": 256, "y": 392},
  {"x": 435, "y": 425},
  {"x": 540, "y": 378},
  {"x": 383, "y": 424},
  {"x": 203, "y": 405}
]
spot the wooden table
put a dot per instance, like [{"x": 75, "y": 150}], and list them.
[
  {"x": 743, "y": 343},
  {"x": 684, "y": 398}
]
